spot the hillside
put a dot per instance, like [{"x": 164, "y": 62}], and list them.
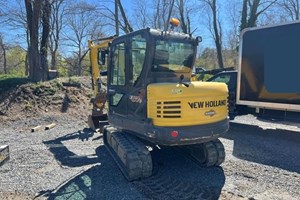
[{"x": 20, "y": 98}]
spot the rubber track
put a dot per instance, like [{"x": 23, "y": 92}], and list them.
[
  {"x": 131, "y": 155},
  {"x": 220, "y": 150},
  {"x": 212, "y": 154},
  {"x": 213, "y": 150}
]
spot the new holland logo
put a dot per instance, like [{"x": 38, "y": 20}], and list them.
[{"x": 210, "y": 113}]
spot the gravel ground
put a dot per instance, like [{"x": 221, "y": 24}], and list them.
[{"x": 70, "y": 162}]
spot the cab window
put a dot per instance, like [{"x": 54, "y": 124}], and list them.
[
  {"x": 118, "y": 65},
  {"x": 138, "y": 53},
  {"x": 224, "y": 78},
  {"x": 173, "y": 56}
]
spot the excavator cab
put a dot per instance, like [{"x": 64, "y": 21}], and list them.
[
  {"x": 141, "y": 58},
  {"x": 149, "y": 88}
]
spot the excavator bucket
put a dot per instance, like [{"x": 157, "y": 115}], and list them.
[
  {"x": 97, "y": 121},
  {"x": 4, "y": 154}
]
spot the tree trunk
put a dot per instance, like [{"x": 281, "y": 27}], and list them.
[
  {"x": 253, "y": 14},
  {"x": 26, "y": 65},
  {"x": 217, "y": 35},
  {"x": 128, "y": 27},
  {"x": 53, "y": 60},
  {"x": 156, "y": 16},
  {"x": 188, "y": 25},
  {"x": 79, "y": 62},
  {"x": 2, "y": 46},
  {"x": 297, "y": 9},
  {"x": 117, "y": 17},
  {"x": 244, "y": 15},
  {"x": 184, "y": 26},
  {"x": 37, "y": 60},
  {"x": 57, "y": 13},
  {"x": 250, "y": 21},
  {"x": 45, "y": 37},
  {"x": 33, "y": 15},
  {"x": 27, "y": 53},
  {"x": 169, "y": 16},
  {"x": 4, "y": 60}
]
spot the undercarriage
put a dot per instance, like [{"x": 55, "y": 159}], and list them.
[{"x": 133, "y": 156}]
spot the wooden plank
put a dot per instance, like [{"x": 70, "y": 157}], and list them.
[
  {"x": 37, "y": 128},
  {"x": 67, "y": 84},
  {"x": 50, "y": 126}
]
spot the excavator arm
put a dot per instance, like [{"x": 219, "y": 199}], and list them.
[{"x": 98, "y": 50}]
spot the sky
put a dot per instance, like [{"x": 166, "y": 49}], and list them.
[
  {"x": 199, "y": 19},
  {"x": 17, "y": 35},
  {"x": 198, "y": 23}
]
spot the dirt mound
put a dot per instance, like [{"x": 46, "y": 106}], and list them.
[{"x": 58, "y": 96}]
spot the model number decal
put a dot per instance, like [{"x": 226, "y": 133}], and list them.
[
  {"x": 207, "y": 104},
  {"x": 135, "y": 99},
  {"x": 176, "y": 91}
]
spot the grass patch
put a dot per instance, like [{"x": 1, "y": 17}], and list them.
[{"x": 9, "y": 81}]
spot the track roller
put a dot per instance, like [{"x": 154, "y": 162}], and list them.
[
  {"x": 131, "y": 155},
  {"x": 207, "y": 154}
]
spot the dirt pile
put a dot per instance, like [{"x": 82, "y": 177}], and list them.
[{"x": 58, "y": 96}]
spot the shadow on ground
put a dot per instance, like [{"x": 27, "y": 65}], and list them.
[
  {"x": 174, "y": 177},
  {"x": 273, "y": 147},
  {"x": 281, "y": 117},
  {"x": 66, "y": 103},
  {"x": 65, "y": 156}
]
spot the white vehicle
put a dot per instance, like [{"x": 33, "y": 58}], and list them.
[{"x": 268, "y": 76}]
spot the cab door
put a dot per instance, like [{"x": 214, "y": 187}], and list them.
[
  {"x": 136, "y": 105},
  {"x": 117, "y": 87}
]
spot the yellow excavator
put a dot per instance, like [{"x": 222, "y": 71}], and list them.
[{"x": 153, "y": 102}]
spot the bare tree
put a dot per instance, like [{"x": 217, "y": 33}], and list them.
[
  {"x": 38, "y": 11},
  {"x": 161, "y": 11},
  {"x": 2, "y": 11},
  {"x": 83, "y": 23},
  {"x": 116, "y": 15},
  {"x": 231, "y": 40},
  {"x": 44, "y": 43},
  {"x": 3, "y": 52},
  {"x": 252, "y": 9},
  {"x": 115, "y": 18},
  {"x": 215, "y": 29},
  {"x": 291, "y": 9},
  {"x": 2, "y": 6},
  {"x": 33, "y": 16},
  {"x": 184, "y": 14},
  {"x": 56, "y": 23},
  {"x": 142, "y": 14},
  {"x": 127, "y": 26},
  {"x": 14, "y": 17}
]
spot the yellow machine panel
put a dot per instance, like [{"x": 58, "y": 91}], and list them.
[{"x": 174, "y": 104}]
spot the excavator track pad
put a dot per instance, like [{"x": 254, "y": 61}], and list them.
[
  {"x": 130, "y": 154},
  {"x": 207, "y": 154}
]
